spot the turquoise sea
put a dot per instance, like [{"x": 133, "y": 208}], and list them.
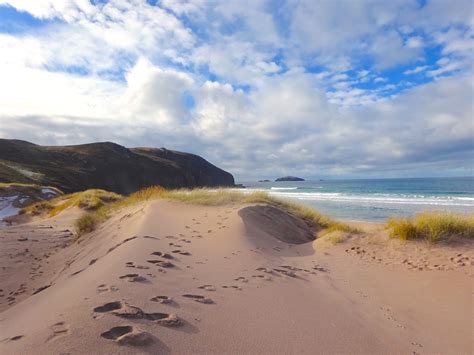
[{"x": 377, "y": 199}]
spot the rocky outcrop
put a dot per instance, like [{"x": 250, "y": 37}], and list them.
[
  {"x": 289, "y": 178},
  {"x": 107, "y": 166}
]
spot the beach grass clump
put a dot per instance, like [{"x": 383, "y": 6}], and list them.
[
  {"x": 93, "y": 217},
  {"x": 38, "y": 208},
  {"x": 213, "y": 197},
  {"x": 86, "y": 223},
  {"x": 90, "y": 220},
  {"x": 89, "y": 200},
  {"x": 432, "y": 226},
  {"x": 402, "y": 228},
  {"x": 334, "y": 237}
]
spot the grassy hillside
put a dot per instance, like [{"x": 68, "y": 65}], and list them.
[{"x": 106, "y": 166}]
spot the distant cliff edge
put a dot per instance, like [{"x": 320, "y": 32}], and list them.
[{"x": 107, "y": 166}]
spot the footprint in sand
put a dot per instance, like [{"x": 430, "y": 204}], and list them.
[
  {"x": 266, "y": 278},
  {"x": 199, "y": 298},
  {"x": 320, "y": 268},
  {"x": 181, "y": 252},
  {"x": 264, "y": 269},
  {"x": 414, "y": 343},
  {"x": 357, "y": 251},
  {"x": 128, "y": 335},
  {"x": 162, "y": 263},
  {"x": 242, "y": 279},
  {"x": 285, "y": 272},
  {"x": 124, "y": 310},
  {"x": 207, "y": 287},
  {"x": 59, "y": 329},
  {"x": 104, "y": 288},
  {"x": 134, "y": 278},
  {"x": 108, "y": 307},
  {"x": 163, "y": 255},
  {"x": 132, "y": 265},
  {"x": 162, "y": 299},
  {"x": 289, "y": 267},
  {"x": 15, "y": 338},
  {"x": 460, "y": 260},
  {"x": 233, "y": 286}
]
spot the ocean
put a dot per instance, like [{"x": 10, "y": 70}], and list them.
[{"x": 377, "y": 199}]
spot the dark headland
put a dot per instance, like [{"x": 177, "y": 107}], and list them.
[{"x": 107, "y": 166}]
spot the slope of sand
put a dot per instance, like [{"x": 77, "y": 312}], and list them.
[{"x": 169, "y": 277}]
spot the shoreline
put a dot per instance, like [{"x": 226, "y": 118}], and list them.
[{"x": 351, "y": 206}]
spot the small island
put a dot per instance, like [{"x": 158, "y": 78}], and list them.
[
  {"x": 265, "y": 180},
  {"x": 289, "y": 178}
]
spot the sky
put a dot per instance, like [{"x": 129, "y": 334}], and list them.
[{"x": 261, "y": 88}]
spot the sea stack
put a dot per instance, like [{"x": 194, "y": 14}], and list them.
[{"x": 290, "y": 178}]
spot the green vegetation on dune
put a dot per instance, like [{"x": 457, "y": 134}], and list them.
[
  {"x": 210, "y": 197},
  {"x": 432, "y": 226},
  {"x": 89, "y": 200}
]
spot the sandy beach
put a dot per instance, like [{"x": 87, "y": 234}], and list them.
[
  {"x": 169, "y": 277},
  {"x": 237, "y": 177}
]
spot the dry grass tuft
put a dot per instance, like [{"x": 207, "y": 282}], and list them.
[
  {"x": 89, "y": 200},
  {"x": 432, "y": 226}
]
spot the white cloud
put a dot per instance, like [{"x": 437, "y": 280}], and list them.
[
  {"x": 155, "y": 96},
  {"x": 237, "y": 85},
  {"x": 389, "y": 50},
  {"x": 416, "y": 70},
  {"x": 414, "y": 42},
  {"x": 235, "y": 61}
]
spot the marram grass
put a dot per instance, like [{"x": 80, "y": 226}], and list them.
[
  {"x": 432, "y": 226},
  {"x": 89, "y": 200},
  {"x": 208, "y": 197}
]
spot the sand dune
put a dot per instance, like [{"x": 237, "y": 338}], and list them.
[{"x": 167, "y": 277}]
